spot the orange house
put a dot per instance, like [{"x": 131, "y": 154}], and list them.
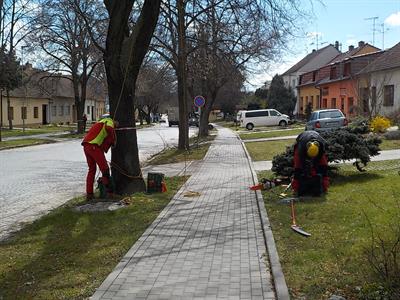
[{"x": 335, "y": 85}]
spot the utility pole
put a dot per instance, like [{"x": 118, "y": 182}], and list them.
[
  {"x": 373, "y": 28},
  {"x": 383, "y": 30}
]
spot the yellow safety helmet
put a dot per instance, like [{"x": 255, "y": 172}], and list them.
[{"x": 312, "y": 149}]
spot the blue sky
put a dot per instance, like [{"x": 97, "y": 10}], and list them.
[{"x": 339, "y": 20}]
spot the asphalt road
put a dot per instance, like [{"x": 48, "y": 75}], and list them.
[{"x": 37, "y": 179}]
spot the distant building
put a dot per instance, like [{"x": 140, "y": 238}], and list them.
[
  {"x": 46, "y": 98},
  {"x": 379, "y": 83},
  {"x": 334, "y": 85},
  {"x": 314, "y": 60}
]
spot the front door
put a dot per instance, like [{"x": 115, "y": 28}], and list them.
[{"x": 44, "y": 114}]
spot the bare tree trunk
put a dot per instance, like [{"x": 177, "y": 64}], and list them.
[
  {"x": 121, "y": 84},
  {"x": 80, "y": 107},
  {"x": 183, "y": 142},
  {"x": 205, "y": 114},
  {"x": 10, "y": 123}
]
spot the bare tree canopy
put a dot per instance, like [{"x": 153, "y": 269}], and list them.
[
  {"x": 60, "y": 37},
  {"x": 229, "y": 36}
]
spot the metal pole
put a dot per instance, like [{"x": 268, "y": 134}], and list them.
[{"x": 198, "y": 133}]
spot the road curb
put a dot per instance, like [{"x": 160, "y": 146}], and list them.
[{"x": 281, "y": 289}]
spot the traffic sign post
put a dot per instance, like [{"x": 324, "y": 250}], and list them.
[{"x": 199, "y": 102}]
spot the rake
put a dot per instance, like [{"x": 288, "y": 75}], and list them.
[{"x": 294, "y": 226}]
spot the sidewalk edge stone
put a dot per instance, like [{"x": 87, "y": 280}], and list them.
[{"x": 281, "y": 289}]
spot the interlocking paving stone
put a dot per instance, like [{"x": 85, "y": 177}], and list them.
[{"x": 205, "y": 247}]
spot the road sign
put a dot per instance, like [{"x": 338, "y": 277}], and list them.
[{"x": 199, "y": 101}]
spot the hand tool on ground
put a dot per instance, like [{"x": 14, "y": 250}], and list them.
[
  {"x": 294, "y": 226},
  {"x": 283, "y": 194}
]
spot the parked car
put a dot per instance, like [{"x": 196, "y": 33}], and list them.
[
  {"x": 326, "y": 119},
  {"x": 263, "y": 117},
  {"x": 163, "y": 118},
  {"x": 193, "y": 121}
]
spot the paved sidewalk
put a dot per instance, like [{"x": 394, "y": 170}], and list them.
[
  {"x": 206, "y": 247},
  {"x": 174, "y": 169},
  {"x": 277, "y": 138}
]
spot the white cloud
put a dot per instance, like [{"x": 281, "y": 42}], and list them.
[{"x": 393, "y": 19}]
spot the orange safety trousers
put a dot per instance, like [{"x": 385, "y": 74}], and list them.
[{"x": 95, "y": 155}]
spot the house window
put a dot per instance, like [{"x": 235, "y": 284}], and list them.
[
  {"x": 333, "y": 102},
  {"x": 314, "y": 75},
  {"x": 373, "y": 96},
  {"x": 351, "y": 105},
  {"x": 388, "y": 98},
  {"x": 61, "y": 110},
  {"x": 364, "y": 92},
  {"x": 36, "y": 112},
  {"x": 343, "y": 92},
  {"x": 325, "y": 91},
  {"x": 54, "y": 110},
  {"x": 333, "y": 73},
  {"x": 11, "y": 113},
  {"x": 23, "y": 112},
  {"x": 342, "y": 104},
  {"x": 347, "y": 69},
  {"x": 67, "y": 110},
  {"x": 324, "y": 103},
  {"x": 88, "y": 110},
  {"x": 294, "y": 82}
]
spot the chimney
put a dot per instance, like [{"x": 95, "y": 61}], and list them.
[
  {"x": 361, "y": 43},
  {"x": 337, "y": 45},
  {"x": 351, "y": 48}
]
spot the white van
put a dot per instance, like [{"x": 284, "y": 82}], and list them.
[{"x": 263, "y": 117}]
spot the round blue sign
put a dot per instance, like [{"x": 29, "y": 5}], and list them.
[{"x": 199, "y": 101}]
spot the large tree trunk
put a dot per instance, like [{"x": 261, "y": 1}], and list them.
[
  {"x": 128, "y": 51},
  {"x": 183, "y": 142},
  {"x": 204, "y": 117},
  {"x": 80, "y": 106}
]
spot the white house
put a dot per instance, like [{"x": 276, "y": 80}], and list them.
[{"x": 382, "y": 79}]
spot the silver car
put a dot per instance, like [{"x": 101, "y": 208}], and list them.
[{"x": 326, "y": 119}]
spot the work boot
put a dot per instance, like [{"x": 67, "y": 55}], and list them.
[{"x": 89, "y": 197}]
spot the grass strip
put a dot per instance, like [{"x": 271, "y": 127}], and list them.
[
  {"x": 267, "y": 150},
  {"x": 67, "y": 254},
  {"x": 23, "y": 143},
  {"x": 278, "y": 133},
  {"x": 34, "y": 130},
  {"x": 71, "y": 136},
  {"x": 333, "y": 260},
  {"x": 390, "y": 144},
  {"x": 175, "y": 155}
]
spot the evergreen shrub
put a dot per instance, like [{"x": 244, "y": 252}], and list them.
[{"x": 341, "y": 144}]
